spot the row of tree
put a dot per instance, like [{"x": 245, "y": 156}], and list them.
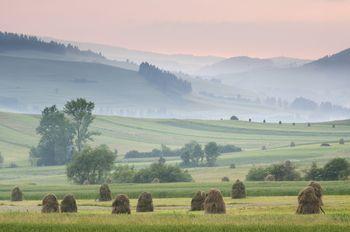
[
  {"x": 13, "y": 41},
  {"x": 62, "y": 132},
  {"x": 165, "y": 81},
  {"x": 335, "y": 169}
]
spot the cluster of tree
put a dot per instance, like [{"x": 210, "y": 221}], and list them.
[
  {"x": 91, "y": 165},
  {"x": 62, "y": 132},
  {"x": 335, "y": 169},
  {"x": 193, "y": 155},
  {"x": 157, "y": 171},
  {"x": 167, "y": 152},
  {"x": 279, "y": 172},
  {"x": 165, "y": 81},
  {"x": 305, "y": 104},
  {"x": 13, "y": 41}
]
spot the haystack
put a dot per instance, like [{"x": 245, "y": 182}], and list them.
[
  {"x": 310, "y": 199},
  {"x": 270, "y": 177},
  {"x": 121, "y": 205},
  {"x": 341, "y": 141},
  {"x": 69, "y": 204},
  {"x": 50, "y": 204},
  {"x": 214, "y": 203},
  {"x": 238, "y": 190},
  {"x": 145, "y": 203},
  {"x": 197, "y": 202},
  {"x": 16, "y": 194},
  {"x": 225, "y": 179},
  {"x": 155, "y": 181},
  {"x": 292, "y": 144},
  {"x": 105, "y": 193}
]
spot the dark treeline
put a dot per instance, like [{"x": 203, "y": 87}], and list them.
[
  {"x": 167, "y": 152},
  {"x": 165, "y": 81},
  {"x": 13, "y": 41}
]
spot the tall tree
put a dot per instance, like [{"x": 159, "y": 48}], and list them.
[
  {"x": 211, "y": 153},
  {"x": 55, "y": 145},
  {"x": 80, "y": 112}
]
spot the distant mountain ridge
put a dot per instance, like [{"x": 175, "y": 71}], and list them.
[{"x": 242, "y": 64}]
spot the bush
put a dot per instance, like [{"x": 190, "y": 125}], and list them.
[
  {"x": 228, "y": 148},
  {"x": 225, "y": 179},
  {"x": 123, "y": 174},
  {"x": 233, "y": 117},
  {"x": 257, "y": 174},
  {"x": 281, "y": 172},
  {"x": 165, "y": 173},
  {"x": 336, "y": 169},
  {"x": 232, "y": 166},
  {"x": 292, "y": 144},
  {"x": 341, "y": 141}
]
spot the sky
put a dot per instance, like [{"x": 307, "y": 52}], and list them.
[{"x": 259, "y": 28}]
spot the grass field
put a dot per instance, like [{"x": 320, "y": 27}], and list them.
[{"x": 250, "y": 214}]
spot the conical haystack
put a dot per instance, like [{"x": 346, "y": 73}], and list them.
[
  {"x": 50, "y": 204},
  {"x": 270, "y": 177},
  {"x": 238, "y": 190},
  {"x": 69, "y": 204},
  {"x": 214, "y": 203},
  {"x": 121, "y": 205},
  {"x": 16, "y": 194},
  {"x": 105, "y": 193},
  {"x": 310, "y": 199},
  {"x": 197, "y": 202},
  {"x": 145, "y": 203}
]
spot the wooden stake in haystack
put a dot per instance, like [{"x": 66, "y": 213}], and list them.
[
  {"x": 50, "y": 204},
  {"x": 238, "y": 190},
  {"x": 145, "y": 203},
  {"x": 214, "y": 203},
  {"x": 310, "y": 199},
  {"x": 197, "y": 202},
  {"x": 121, "y": 205},
  {"x": 69, "y": 204}
]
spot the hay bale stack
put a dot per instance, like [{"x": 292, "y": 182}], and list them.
[
  {"x": 341, "y": 141},
  {"x": 145, "y": 203},
  {"x": 310, "y": 199},
  {"x": 325, "y": 145},
  {"x": 16, "y": 194},
  {"x": 121, "y": 205},
  {"x": 263, "y": 148},
  {"x": 105, "y": 193},
  {"x": 292, "y": 144},
  {"x": 69, "y": 204},
  {"x": 86, "y": 182},
  {"x": 238, "y": 190},
  {"x": 270, "y": 177},
  {"x": 197, "y": 202},
  {"x": 214, "y": 203},
  {"x": 50, "y": 204},
  {"x": 225, "y": 179}
]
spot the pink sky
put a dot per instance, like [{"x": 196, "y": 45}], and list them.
[{"x": 262, "y": 28}]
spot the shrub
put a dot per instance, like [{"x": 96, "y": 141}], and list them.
[
  {"x": 225, "y": 179},
  {"x": 50, "y": 204},
  {"x": 233, "y": 117},
  {"x": 232, "y": 166},
  {"x": 292, "y": 144},
  {"x": 69, "y": 204},
  {"x": 263, "y": 148},
  {"x": 257, "y": 174},
  {"x": 16, "y": 194},
  {"x": 341, "y": 141},
  {"x": 281, "y": 172},
  {"x": 280, "y": 122},
  {"x": 197, "y": 202},
  {"x": 214, "y": 203},
  {"x": 105, "y": 193},
  {"x": 314, "y": 173},
  {"x": 123, "y": 174},
  {"x": 121, "y": 205},
  {"x": 145, "y": 203},
  {"x": 325, "y": 145},
  {"x": 336, "y": 169},
  {"x": 165, "y": 173},
  {"x": 228, "y": 148},
  {"x": 238, "y": 190}
]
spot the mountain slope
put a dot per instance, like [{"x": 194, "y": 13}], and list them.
[{"x": 35, "y": 83}]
